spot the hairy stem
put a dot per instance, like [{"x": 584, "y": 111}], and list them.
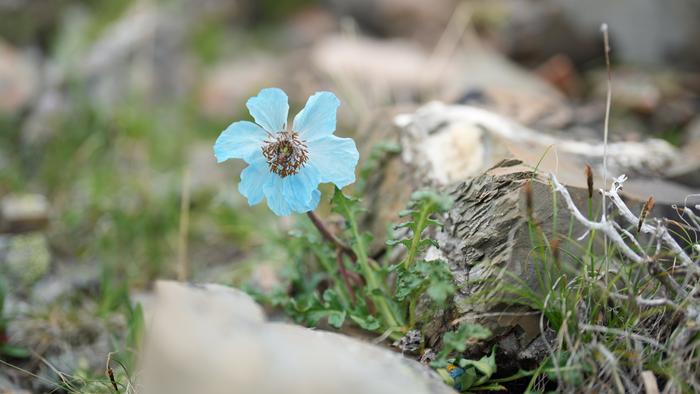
[
  {"x": 415, "y": 242},
  {"x": 370, "y": 276}
]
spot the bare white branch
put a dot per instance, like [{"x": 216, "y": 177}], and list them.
[
  {"x": 647, "y": 228},
  {"x": 621, "y": 333},
  {"x": 604, "y": 226}
]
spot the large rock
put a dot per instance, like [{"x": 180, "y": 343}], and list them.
[
  {"x": 144, "y": 53},
  {"x": 23, "y": 212},
  {"x": 391, "y": 71},
  {"x": 484, "y": 160},
  {"x": 645, "y": 32},
  {"x": 229, "y": 84},
  {"x": 450, "y": 144},
  {"x": 213, "y": 339},
  {"x": 421, "y": 20}
]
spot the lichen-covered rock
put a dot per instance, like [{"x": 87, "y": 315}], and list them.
[
  {"x": 213, "y": 339},
  {"x": 25, "y": 258},
  {"x": 484, "y": 160}
]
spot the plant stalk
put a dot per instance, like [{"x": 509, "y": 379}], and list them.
[{"x": 325, "y": 233}]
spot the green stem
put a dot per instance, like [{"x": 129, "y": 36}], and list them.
[
  {"x": 325, "y": 233},
  {"x": 343, "y": 294},
  {"x": 415, "y": 242},
  {"x": 412, "y": 303},
  {"x": 370, "y": 276},
  {"x": 412, "y": 313}
]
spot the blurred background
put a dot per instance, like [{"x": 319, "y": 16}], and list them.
[{"x": 109, "y": 110}]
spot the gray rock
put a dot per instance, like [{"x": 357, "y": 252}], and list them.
[
  {"x": 23, "y": 212},
  {"x": 645, "y": 32},
  {"x": 65, "y": 280},
  {"x": 144, "y": 52},
  {"x": 214, "y": 339},
  {"x": 229, "y": 84},
  {"x": 422, "y": 20},
  {"x": 8, "y": 387},
  {"x": 400, "y": 71},
  {"x": 449, "y": 144}
]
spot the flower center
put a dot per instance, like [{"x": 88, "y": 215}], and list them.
[{"x": 286, "y": 154}]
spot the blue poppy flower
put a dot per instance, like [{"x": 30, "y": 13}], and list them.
[{"x": 287, "y": 165}]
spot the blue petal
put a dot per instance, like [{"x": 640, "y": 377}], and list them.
[
  {"x": 294, "y": 193},
  {"x": 239, "y": 141},
  {"x": 315, "y": 199},
  {"x": 275, "y": 196},
  {"x": 335, "y": 159},
  {"x": 317, "y": 119},
  {"x": 298, "y": 189},
  {"x": 270, "y": 109},
  {"x": 253, "y": 178}
]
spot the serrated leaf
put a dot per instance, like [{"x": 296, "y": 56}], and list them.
[
  {"x": 344, "y": 205},
  {"x": 427, "y": 242},
  {"x": 434, "y": 201},
  {"x": 433, "y": 222},
  {"x": 439, "y": 291},
  {"x": 409, "y": 224},
  {"x": 406, "y": 212},
  {"x": 405, "y": 242}
]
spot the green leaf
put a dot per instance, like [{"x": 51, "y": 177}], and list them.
[
  {"x": 344, "y": 205},
  {"x": 445, "y": 376},
  {"x": 467, "y": 380},
  {"x": 436, "y": 202},
  {"x": 489, "y": 387},
  {"x": 425, "y": 243},
  {"x": 369, "y": 323},
  {"x": 439, "y": 291},
  {"x": 406, "y": 212},
  {"x": 14, "y": 351},
  {"x": 404, "y": 242},
  {"x": 410, "y": 224},
  {"x": 458, "y": 340},
  {"x": 312, "y": 317},
  {"x": 486, "y": 365},
  {"x": 331, "y": 298},
  {"x": 336, "y": 318}
]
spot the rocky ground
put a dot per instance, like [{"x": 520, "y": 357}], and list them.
[{"x": 108, "y": 111}]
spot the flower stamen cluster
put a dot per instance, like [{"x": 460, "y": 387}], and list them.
[{"x": 285, "y": 153}]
